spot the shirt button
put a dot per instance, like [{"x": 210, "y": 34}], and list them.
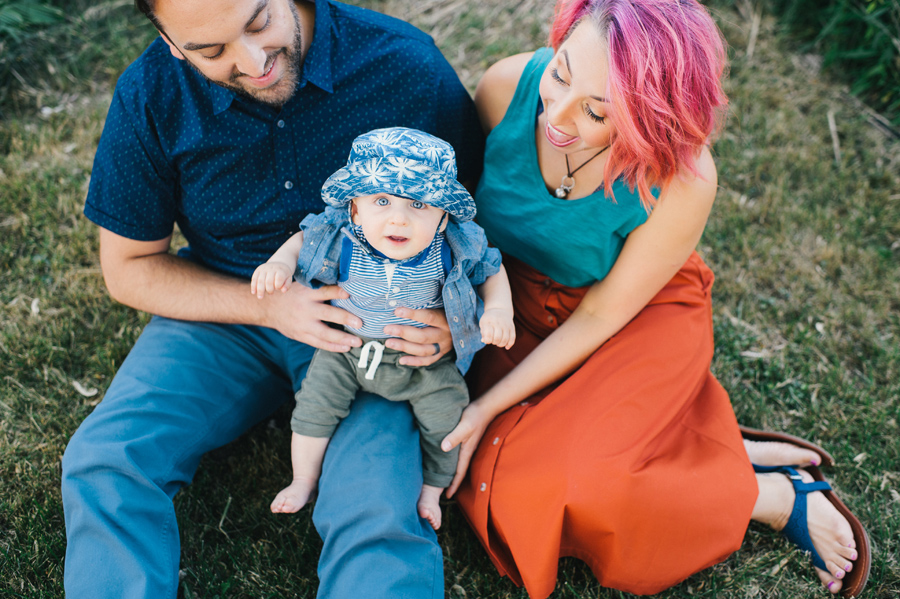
[
  {"x": 462, "y": 343},
  {"x": 547, "y": 282},
  {"x": 280, "y": 124},
  {"x": 496, "y": 440},
  {"x": 288, "y": 184},
  {"x": 395, "y": 289},
  {"x": 392, "y": 303},
  {"x": 524, "y": 403},
  {"x": 456, "y": 319},
  {"x": 550, "y": 319},
  {"x": 483, "y": 487}
]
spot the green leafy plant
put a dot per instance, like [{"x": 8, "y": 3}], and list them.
[
  {"x": 859, "y": 41},
  {"x": 17, "y": 17}
]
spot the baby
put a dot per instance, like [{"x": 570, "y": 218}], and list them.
[{"x": 397, "y": 232}]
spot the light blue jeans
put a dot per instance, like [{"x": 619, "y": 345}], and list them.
[{"x": 187, "y": 388}]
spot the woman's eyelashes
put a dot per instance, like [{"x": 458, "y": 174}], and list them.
[
  {"x": 554, "y": 73},
  {"x": 592, "y": 116}
]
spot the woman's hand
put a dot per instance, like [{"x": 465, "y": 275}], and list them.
[{"x": 474, "y": 421}]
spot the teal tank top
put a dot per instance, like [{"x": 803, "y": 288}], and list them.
[{"x": 574, "y": 242}]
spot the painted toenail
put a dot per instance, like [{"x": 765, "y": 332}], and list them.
[
  {"x": 848, "y": 567},
  {"x": 853, "y": 555},
  {"x": 829, "y": 585},
  {"x": 815, "y": 461},
  {"x": 839, "y": 574}
]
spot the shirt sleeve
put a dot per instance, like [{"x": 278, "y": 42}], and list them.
[
  {"x": 486, "y": 259},
  {"x": 317, "y": 263},
  {"x": 132, "y": 188}
]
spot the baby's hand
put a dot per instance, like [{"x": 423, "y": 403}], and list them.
[
  {"x": 497, "y": 328},
  {"x": 271, "y": 276}
]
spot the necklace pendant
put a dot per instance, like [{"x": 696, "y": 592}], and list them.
[{"x": 565, "y": 186}]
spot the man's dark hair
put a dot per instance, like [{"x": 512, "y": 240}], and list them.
[{"x": 146, "y": 8}]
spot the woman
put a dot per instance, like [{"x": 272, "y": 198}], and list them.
[{"x": 606, "y": 437}]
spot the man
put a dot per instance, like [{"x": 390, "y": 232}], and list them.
[{"x": 228, "y": 125}]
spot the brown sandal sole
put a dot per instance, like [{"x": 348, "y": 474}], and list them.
[
  {"x": 753, "y": 434},
  {"x": 855, "y": 580}
]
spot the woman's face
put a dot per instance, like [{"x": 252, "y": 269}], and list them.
[{"x": 573, "y": 90}]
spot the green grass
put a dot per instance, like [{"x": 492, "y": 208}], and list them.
[{"x": 807, "y": 313}]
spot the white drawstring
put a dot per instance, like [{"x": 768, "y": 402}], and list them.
[{"x": 376, "y": 359}]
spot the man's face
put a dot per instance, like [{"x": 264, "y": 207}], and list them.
[{"x": 252, "y": 47}]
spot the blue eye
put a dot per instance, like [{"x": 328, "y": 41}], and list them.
[
  {"x": 382, "y": 201},
  {"x": 418, "y": 205}
]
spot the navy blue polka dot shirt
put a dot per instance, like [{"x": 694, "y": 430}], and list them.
[{"x": 237, "y": 175}]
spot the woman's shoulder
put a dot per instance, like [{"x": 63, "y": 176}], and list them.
[
  {"x": 497, "y": 87},
  {"x": 695, "y": 187},
  {"x": 704, "y": 180}
]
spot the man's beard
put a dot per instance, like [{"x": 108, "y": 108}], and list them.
[{"x": 282, "y": 91}]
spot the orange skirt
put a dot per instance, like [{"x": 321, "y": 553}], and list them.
[{"x": 634, "y": 463}]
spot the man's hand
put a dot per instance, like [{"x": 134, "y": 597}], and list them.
[
  {"x": 271, "y": 276},
  {"x": 424, "y": 346},
  {"x": 301, "y": 313}
]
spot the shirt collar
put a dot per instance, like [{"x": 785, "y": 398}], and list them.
[
  {"x": 316, "y": 66},
  {"x": 221, "y": 97}
]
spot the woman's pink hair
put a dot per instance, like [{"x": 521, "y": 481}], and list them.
[{"x": 666, "y": 61}]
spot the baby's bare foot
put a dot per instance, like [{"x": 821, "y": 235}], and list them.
[
  {"x": 294, "y": 496},
  {"x": 830, "y": 533},
  {"x": 430, "y": 505},
  {"x": 776, "y": 453}
]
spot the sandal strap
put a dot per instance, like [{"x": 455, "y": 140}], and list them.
[{"x": 797, "y": 527}]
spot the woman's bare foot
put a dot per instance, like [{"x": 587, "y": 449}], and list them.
[
  {"x": 430, "y": 505},
  {"x": 776, "y": 453},
  {"x": 294, "y": 496},
  {"x": 829, "y": 530}
]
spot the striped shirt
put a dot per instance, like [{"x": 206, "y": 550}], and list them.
[{"x": 378, "y": 285}]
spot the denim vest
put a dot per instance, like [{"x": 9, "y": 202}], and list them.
[{"x": 473, "y": 263}]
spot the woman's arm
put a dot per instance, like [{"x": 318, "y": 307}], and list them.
[{"x": 651, "y": 256}]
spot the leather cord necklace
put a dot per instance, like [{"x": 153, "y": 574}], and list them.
[{"x": 568, "y": 181}]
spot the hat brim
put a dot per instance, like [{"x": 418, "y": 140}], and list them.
[{"x": 433, "y": 188}]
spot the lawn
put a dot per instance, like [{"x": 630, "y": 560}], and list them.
[{"x": 804, "y": 239}]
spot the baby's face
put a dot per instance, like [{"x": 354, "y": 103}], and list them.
[{"x": 397, "y": 227}]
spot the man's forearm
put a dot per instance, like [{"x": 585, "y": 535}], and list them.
[{"x": 173, "y": 287}]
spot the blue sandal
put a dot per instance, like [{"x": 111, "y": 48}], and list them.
[{"x": 797, "y": 529}]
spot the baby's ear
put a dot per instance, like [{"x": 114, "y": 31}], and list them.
[
  {"x": 444, "y": 220},
  {"x": 354, "y": 215}
]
